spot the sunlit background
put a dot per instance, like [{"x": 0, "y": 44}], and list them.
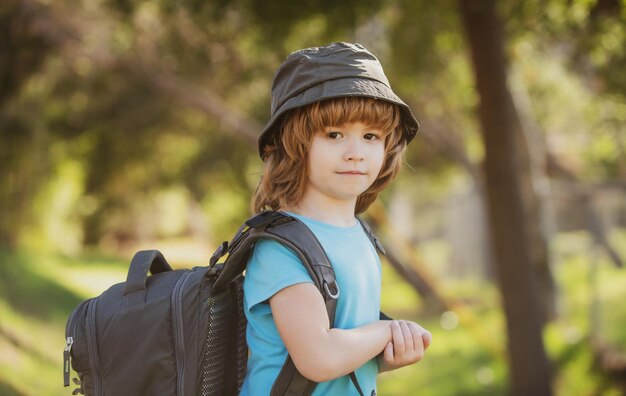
[{"x": 128, "y": 124}]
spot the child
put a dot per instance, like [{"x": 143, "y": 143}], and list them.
[{"x": 334, "y": 141}]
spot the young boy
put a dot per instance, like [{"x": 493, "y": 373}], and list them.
[{"x": 334, "y": 141}]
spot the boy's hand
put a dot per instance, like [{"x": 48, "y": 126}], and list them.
[{"x": 409, "y": 341}]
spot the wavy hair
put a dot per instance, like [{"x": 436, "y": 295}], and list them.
[{"x": 285, "y": 171}]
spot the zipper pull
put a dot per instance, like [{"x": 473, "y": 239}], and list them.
[{"x": 66, "y": 361}]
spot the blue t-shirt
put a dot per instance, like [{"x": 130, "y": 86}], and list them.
[{"x": 273, "y": 267}]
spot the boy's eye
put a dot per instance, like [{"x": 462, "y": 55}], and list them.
[
  {"x": 334, "y": 135},
  {"x": 371, "y": 136}
]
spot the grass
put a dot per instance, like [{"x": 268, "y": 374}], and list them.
[{"x": 37, "y": 293}]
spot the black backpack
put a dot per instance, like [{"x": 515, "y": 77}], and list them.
[{"x": 182, "y": 332}]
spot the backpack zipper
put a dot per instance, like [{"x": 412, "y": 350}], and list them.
[
  {"x": 94, "y": 357},
  {"x": 70, "y": 333},
  {"x": 179, "y": 336}
]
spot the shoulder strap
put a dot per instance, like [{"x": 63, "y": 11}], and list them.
[
  {"x": 295, "y": 235},
  {"x": 370, "y": 234}
]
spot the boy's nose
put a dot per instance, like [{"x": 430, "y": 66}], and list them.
[
  {"x": 354, "y": 153},
  {"x": 354, "y": 157}
]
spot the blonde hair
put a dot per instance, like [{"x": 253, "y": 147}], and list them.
[{"x": 285, "y": 172}]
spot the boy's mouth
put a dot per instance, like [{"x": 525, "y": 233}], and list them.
[{"x": 353, "y": 173}]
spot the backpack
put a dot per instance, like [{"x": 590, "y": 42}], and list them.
[{"x": 182, "y": 332}]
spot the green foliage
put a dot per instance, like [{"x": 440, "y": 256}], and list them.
[
  {"x": 425, "y": 35},
  {"x": 457, "y": 364},
  {"x": 278, "y": 19},
  {"x": 97, "y": 106}
]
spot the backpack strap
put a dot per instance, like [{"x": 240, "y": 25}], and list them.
[
  {"x": 370, "y": 234},
  {"x": 355, "y": 382},
  {"x": 291, "y": 233},
  {"x": 294, "y": 234}
]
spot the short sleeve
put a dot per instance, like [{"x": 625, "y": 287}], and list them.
[{"x": 271, "y": 268}]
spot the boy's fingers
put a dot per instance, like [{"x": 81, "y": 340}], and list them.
[
  {"x": 409, "y": 343},
  {"x": 388, "y": 352},
  {"x": 398, "y": 339},
  {"x": 427, "y": 337},
  {"x": 416, "y": 334},
  {"x": 418, "y": 351}
]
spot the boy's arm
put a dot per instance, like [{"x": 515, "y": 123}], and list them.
[{"x": 318, "y": 352}]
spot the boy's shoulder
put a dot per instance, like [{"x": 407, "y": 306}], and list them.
[{"x": 270, "y": 248}]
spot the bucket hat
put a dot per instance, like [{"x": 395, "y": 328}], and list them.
[{"x": 332, "y": 71}]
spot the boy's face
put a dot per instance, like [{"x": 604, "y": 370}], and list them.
[{"x": 344, "y": 161}]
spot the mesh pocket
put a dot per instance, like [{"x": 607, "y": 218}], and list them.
[
  {"x": 225, "y": 351},
  {"x": 217, "y": 345},
  {"x": 241, "y": 346}
]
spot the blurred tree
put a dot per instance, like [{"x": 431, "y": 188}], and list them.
[
  {"x": 114, "y": 103},
  {"x": 26, "y": 40},
  {"x": 530, "y": 370},
  {"x": 437, "y": 79},
  {"x": 588, "y": 36}
]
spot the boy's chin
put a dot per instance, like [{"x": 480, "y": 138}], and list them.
[{"x": 349, "y": 195}]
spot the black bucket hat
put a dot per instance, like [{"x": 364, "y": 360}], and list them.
[{"x": 332, "y": 71}]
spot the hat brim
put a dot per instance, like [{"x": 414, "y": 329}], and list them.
[{"x": 343, "y": 87}]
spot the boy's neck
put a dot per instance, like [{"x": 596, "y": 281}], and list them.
[{"x": 337, "y": 215}]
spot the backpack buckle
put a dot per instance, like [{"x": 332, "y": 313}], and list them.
[
  {"x": 221, "y": 250},
  {"x": 332, "y": 294}
]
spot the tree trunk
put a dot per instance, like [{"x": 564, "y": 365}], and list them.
[
  {"x": 536, "y": 195},
  {"x": 529, "y": 367}
]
